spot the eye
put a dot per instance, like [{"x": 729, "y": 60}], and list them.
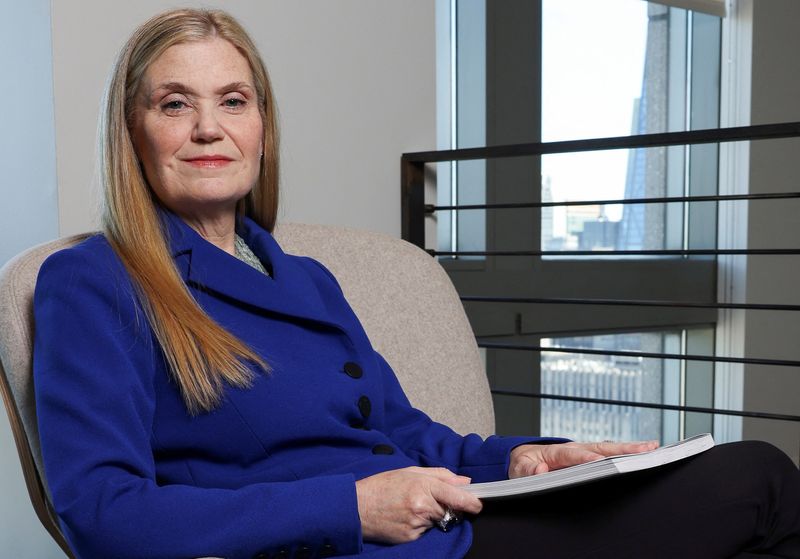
[
  {"x": 234, "y": 103},
  {"x": 173, "y": 106}
]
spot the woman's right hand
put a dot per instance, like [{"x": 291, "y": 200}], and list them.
[{"x": 400, "y": 505}]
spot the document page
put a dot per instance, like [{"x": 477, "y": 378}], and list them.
[{"x": 598, "y": 469}]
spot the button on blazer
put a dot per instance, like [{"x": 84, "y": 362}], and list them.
[{"x": 273, "y": 468}]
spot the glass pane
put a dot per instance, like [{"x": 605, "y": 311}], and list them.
[
  {"x": 591, "y": 77},
  {"x": 464, "y": 55},
  {"x": 610, "y": 377},
  {"x": 658, "y": 71}
]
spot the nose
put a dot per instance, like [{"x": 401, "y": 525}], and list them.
[{"x": 207, "y": 128}]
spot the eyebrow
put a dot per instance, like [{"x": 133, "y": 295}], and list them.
[{"x": 178, "y": 86}]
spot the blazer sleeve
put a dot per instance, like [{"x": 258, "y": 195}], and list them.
[
  {"x": 94, "y": 380},
  {"x": 434, "y": 444}
]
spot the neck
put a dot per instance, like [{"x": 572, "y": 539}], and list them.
[{"x": 219, "y": 230}]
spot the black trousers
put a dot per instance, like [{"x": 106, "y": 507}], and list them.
[{"x": 737, "y": 500}]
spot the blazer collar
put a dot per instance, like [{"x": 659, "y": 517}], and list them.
[{"x": 289, "y": 291}]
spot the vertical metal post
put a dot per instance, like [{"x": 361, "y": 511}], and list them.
[{"x": 412, "y": 201}]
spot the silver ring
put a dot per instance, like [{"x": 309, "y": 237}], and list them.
[{"x": 450, "y": 519}]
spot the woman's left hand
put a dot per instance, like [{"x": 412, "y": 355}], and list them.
[{"x": 531, "y": 459}]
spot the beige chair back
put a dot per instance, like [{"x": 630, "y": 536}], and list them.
[
  {"x": 412, "y": 315},
  {"x": 17, "y": 281},
  {"x": 404, "y": 299}
]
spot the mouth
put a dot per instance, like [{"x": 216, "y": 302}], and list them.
[{"x": 208, "y": 161}]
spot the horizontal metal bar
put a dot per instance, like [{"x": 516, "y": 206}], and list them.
[
  {"x": 596, "y": 253},
  {"x": 430, "y": 208},
  {"x": 647, "y": 354},
  {"x": 707, "y": 136},
  {"x": 756, "y": 414},
  {"x": 629, "y": 303}
]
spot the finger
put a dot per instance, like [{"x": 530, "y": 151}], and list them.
[
  {"x": 608, "y": 448},
  {"x": 458, "y": 480},
  {"x": 456, "y": 498},
  {"x": 563, "y": 456},
  {"x": 541, "y": 468},
  {"x": 523, "y": 465},
  {"x": 425, "y": 513},
  {"x": 423, "y": 507},
  {"x": 434, "y": 511},
  {"x": 442, "y": 474}
]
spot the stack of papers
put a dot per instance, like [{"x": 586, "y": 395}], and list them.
[{"x": 590, "y": 471}]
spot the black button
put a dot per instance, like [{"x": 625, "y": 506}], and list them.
[
  {"x": 328, "y": 550},
  {"x": 353, "y": 369},
  {"x": 364, "y": 406},
  {"x": 303, "y": 552},
  {"x": 283, "y": 553},
  {"x": 262, "y": 555},
  {"x": 382, "y": 449}
]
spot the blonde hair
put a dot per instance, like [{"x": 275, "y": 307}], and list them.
[{"x": 201, "y": 355}]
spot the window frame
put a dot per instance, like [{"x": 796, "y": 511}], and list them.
[{"x": 666, "y": 279}]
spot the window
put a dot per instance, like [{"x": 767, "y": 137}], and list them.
[
  {"x": 627, "y": 378},
  {"x": 658, "y": 72},
  {"x": 550, "y": 71},
  {"x": 612, "y": 377}
]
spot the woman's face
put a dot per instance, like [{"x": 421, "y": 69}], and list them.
[{"x": 197, "y": 129}]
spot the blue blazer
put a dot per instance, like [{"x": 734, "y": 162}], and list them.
[{"x": 133, "y": 475}]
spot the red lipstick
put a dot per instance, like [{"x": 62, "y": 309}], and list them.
[{"x": 208, "y": 161}]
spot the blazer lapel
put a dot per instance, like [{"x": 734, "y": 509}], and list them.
[{"x": 290, "y": 291}]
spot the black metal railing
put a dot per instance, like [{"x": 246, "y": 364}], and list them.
[
  {"x": 412, "y": 171},
  {"x": 415, "y": 210}
]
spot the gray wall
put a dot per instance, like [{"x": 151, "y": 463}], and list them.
[
  {"x": 774, "y": 167},
  {"x": 28, "y": 215},
  {"x": 355, "y": 86},
  {"x": 29, "y": 208}
]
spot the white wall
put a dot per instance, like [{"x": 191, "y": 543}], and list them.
[{"x": 355, "y": 86}]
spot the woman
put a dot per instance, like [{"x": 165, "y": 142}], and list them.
[{"x": 199, "y": 392}]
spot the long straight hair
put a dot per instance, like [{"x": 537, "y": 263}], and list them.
[{"x": 202, "y": 355}]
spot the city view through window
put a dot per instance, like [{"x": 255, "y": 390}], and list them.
[
  {"x": 611, "y": 68},
  {"x": 615, "y": 89},
  {"x": 632, "y": 379},
  {"x": 625, "y": 84}
]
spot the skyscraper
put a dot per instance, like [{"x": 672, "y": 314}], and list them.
[{"x": 642, "y": 225}]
